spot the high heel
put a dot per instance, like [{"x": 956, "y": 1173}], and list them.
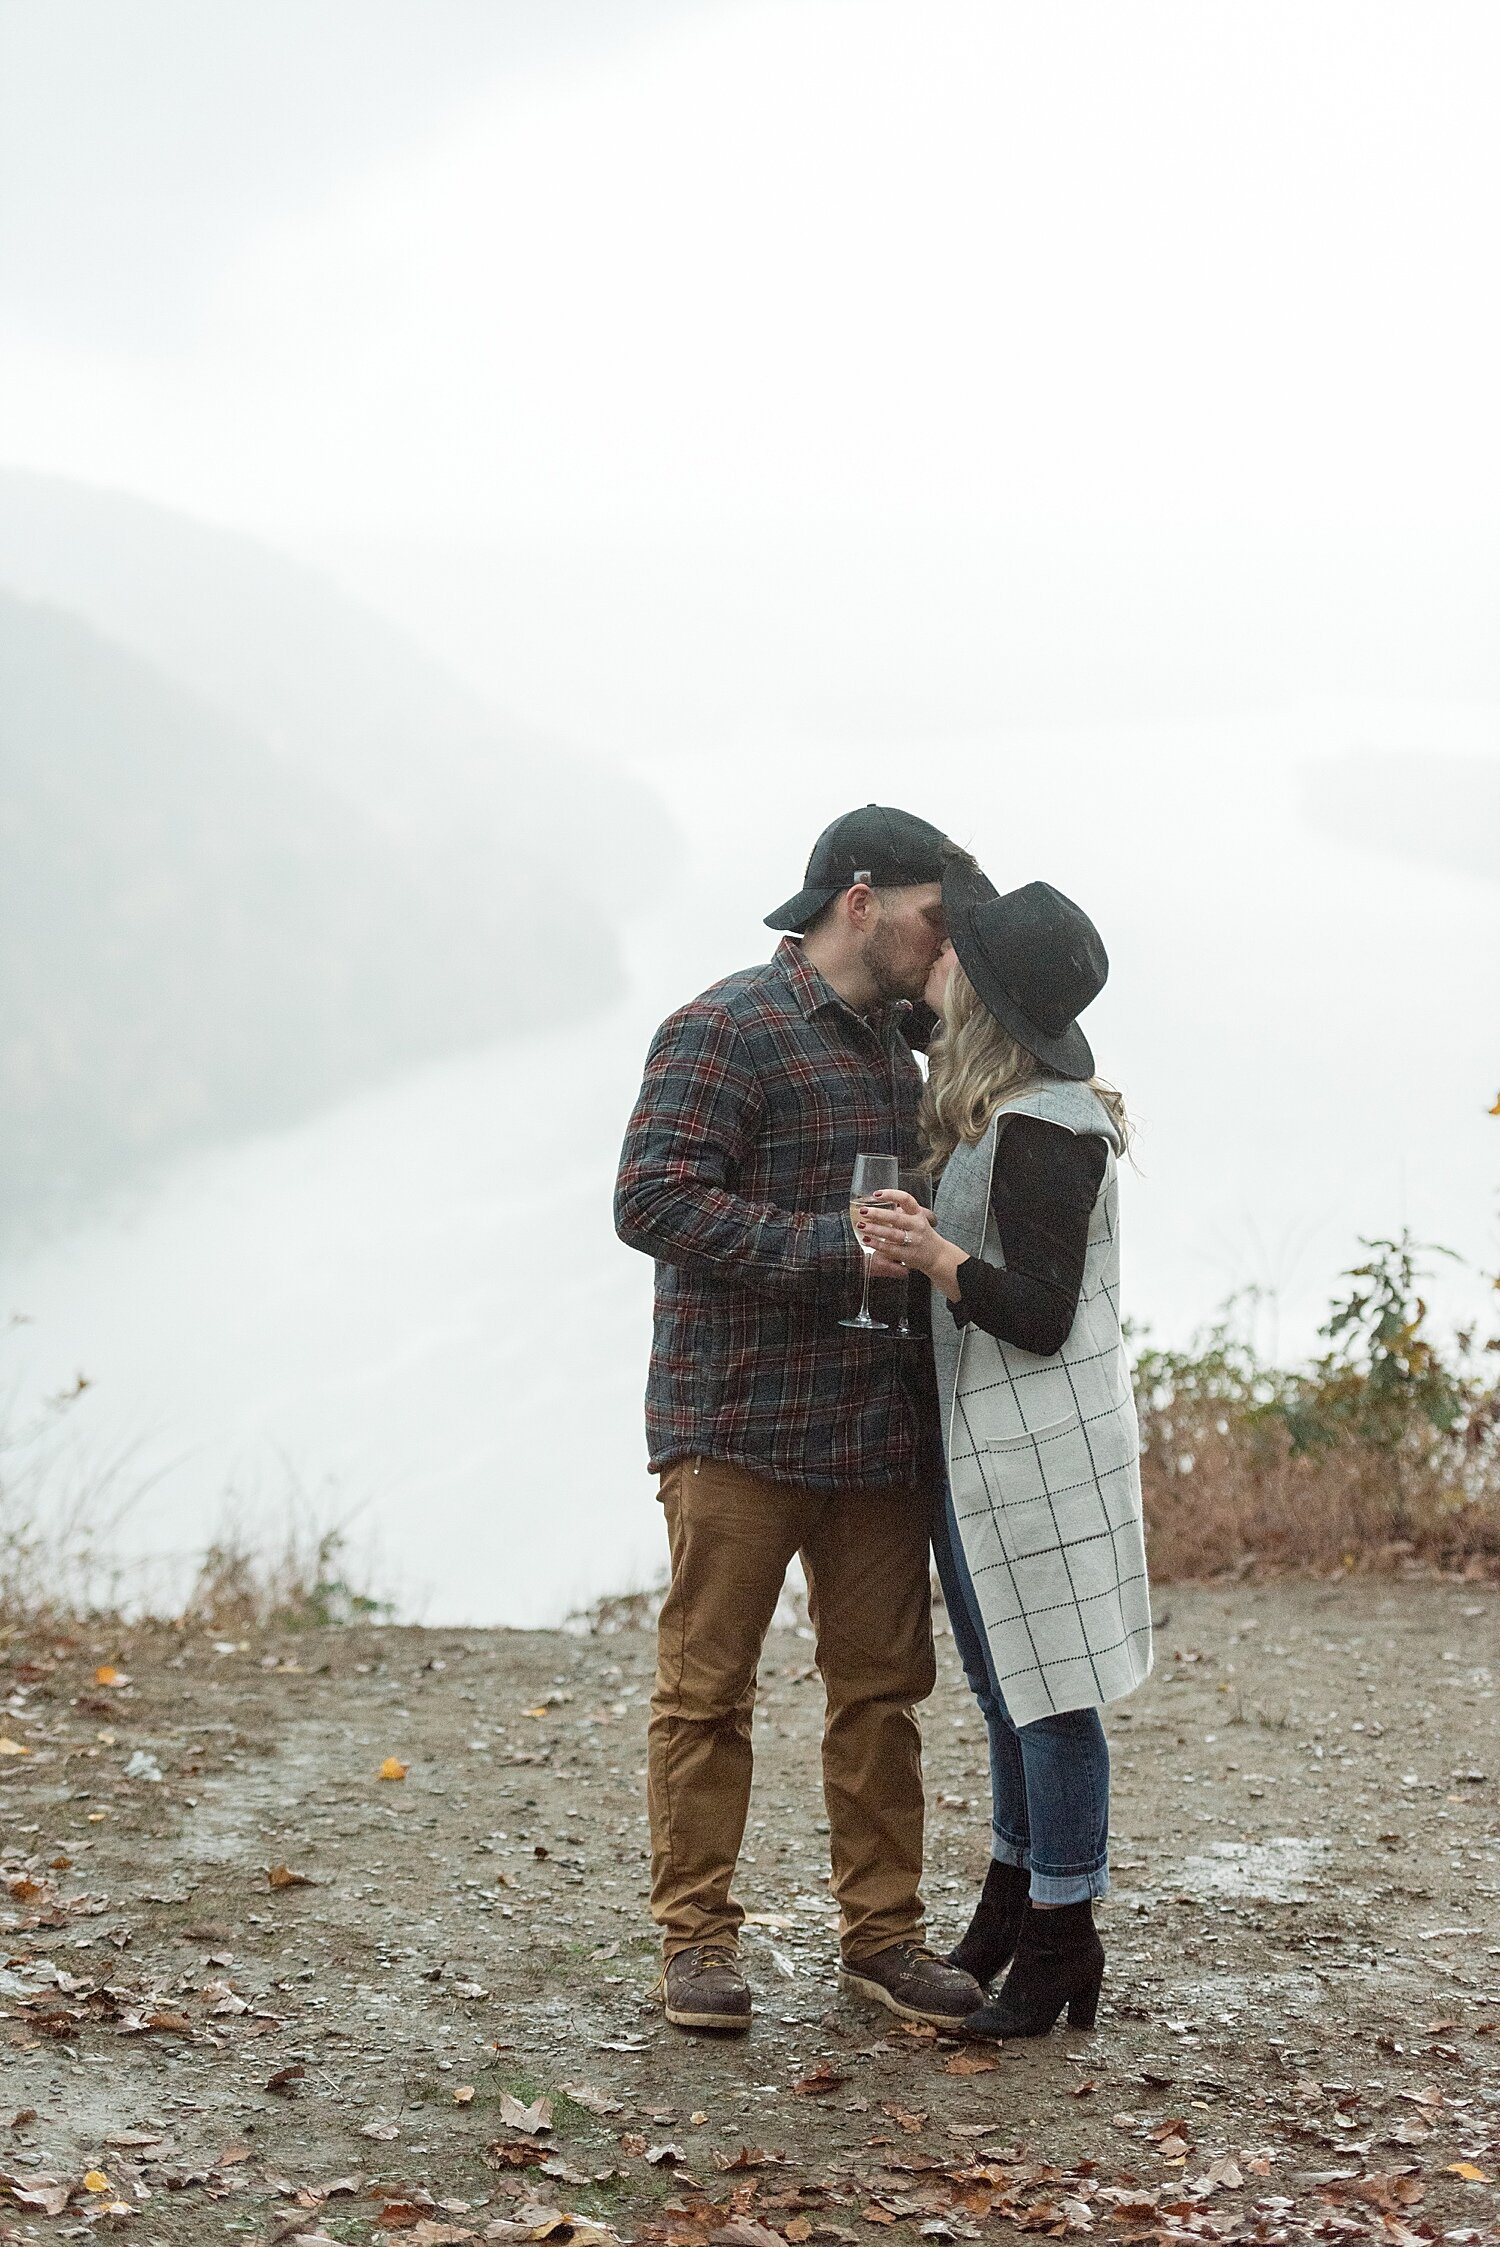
[
  {"x": 1059, "y": 1961},
  {"x": 1083, "y": 2006},
  {"x": 990, "y": 1937}
]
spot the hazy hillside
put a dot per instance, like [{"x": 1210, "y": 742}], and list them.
[
  {"x": 195, "y": 939},
  {"x": 336, "y": 692}
]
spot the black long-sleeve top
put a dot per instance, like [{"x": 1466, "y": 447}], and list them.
[{"x": 1045, "y": 1183}]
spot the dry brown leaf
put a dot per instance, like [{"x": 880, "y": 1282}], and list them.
[
  {"x": 822, "y": 2079},
  {"x": 107, "y": 1674},
  {"x": 589, "y": 2095},
  {"x": 282, "y": 1876},
  {"x": 970, "y": 2063},
  {"x": 12, "y": 1747},
  {"x": 1468, "y": 2170},
  {"x": 534, "y": 2120},
  {"x": 392, "y": 1768},
  {"x": 384, "y": 2131},
  {"x": 464, "y": 2095},
  {"x": 285, "y": 2080},
  {"x": 43, "y": 2193},
  {"x": 744, "y": 2231}
]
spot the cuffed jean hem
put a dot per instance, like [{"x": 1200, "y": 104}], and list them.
[
  {"x": 1069, "y": 1888},
  {"x": 1050, "y": 1888}
]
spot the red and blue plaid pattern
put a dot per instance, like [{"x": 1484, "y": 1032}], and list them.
[{"x": 735, "y": 1173}]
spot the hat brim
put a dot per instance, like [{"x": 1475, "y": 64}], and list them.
[
  {"x": 964, "y": 890},
  {"x": 795, "y": 914}
]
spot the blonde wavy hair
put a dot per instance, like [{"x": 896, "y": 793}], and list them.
[{"x": 975, "y": 1064}]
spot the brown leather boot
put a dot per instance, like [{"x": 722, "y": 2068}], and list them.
[
  {"x": 915, "y": 1984},
  {"x": 703, "y": 1988}
]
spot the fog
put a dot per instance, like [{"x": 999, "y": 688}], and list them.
[{"x": 480, "y": 493}]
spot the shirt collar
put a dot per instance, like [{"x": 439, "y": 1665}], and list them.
[{"x": 813, "y": 992}]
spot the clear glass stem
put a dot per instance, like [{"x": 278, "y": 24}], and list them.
[{"x": 864, "y": 1293}]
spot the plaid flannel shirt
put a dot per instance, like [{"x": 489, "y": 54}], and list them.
[{"x": 735, "y": 1176}]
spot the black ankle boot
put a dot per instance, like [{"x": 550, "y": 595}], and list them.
[
  {"x": 1059, "y": 1960},
  {"x": 990, "y": 1936}
]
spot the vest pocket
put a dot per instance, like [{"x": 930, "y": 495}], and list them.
[
  {"x": 1024, "y": 1438},
  {"x": 1030, "y": 1472}
]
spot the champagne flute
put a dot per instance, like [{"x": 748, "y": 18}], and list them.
[
  {"x": 873, "y": 1174},
  {"x": 918, "y": 1184}
]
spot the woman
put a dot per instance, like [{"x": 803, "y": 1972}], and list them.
[{"x": 1039, "y": 1544}]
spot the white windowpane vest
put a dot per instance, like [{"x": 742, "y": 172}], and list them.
[{"x": 1044, "y": 1452}]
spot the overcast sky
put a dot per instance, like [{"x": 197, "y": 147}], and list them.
[{"x": 588, "y": 267}]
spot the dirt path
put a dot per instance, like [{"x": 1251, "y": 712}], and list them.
[{"x": 1300, "y": 2033}]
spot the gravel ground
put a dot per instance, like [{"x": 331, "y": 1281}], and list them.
[{"x": 1300, "y": 2033}]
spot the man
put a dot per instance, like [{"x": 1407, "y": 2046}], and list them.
[{"x": 775, "y": 1431}]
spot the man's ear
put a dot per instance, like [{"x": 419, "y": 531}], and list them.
[{"x": 860, "y": 904}]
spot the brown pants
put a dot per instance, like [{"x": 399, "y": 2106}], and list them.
[{"x": 865, "y": 1554}]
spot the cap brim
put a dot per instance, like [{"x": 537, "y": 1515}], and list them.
[
  {"x": 799, "y": 910},
  {"x": 964, "y": 890}
]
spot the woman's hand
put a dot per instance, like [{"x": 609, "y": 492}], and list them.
[{"x": 906, "y": 1239}]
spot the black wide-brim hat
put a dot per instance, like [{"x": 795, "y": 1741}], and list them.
[
  {"x": 877, "y": 844},
  {"x": 1035, "y": 959}
]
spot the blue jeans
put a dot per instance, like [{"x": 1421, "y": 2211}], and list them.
[{"x": 1049, "y": 1780}]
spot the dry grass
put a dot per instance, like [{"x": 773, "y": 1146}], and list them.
[
  {"x": 1382, "y": 1453},
  {"x": 1225, "y": 1497}
]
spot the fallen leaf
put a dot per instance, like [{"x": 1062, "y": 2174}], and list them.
[
  {"x": 384, "y": 2131},
  {"x": 41, "y": 2193},
  {"x": 470, "y": 1990},
  {"x": 748, "y": 2157},
  {"x": 534, "y": 2120},
  {"x": 664, "y": 2157},
  {"x": 541, "y": 2222},
  {"x": 285, "y": 2080},
  {"x": 12, "y": 1747},
  {"x": 798, "y": 2229},
  {"x": 970, "y": 2063},
  {"x": 391, "y": 1769},
  {"x": 107, "y": 1674},
  {"x": 464, "y": 2095},
  {"x": 282, "y": 1876},
  {"x": 1471, "y": 2174},
  {"x": 589, "y": 2095},
  {"x": 94, "y": 2180},
  {"x": 22, "y": 2116},
  {"x": 823, "y": 2079},
  {"x": 744, "y": 2231}
]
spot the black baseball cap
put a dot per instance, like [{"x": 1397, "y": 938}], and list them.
[{"x": 889, "y": 849}]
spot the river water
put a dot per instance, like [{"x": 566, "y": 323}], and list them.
[{"x": 411, "y": 1315}]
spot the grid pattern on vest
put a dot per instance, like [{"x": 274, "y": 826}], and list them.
[{"x": 1045, "y": 1471}]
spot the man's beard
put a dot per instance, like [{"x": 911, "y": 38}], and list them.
[{"x": 893, "y": 977}]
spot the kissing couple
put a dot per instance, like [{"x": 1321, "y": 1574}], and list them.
[{"x": 1000, "y": 1438}]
